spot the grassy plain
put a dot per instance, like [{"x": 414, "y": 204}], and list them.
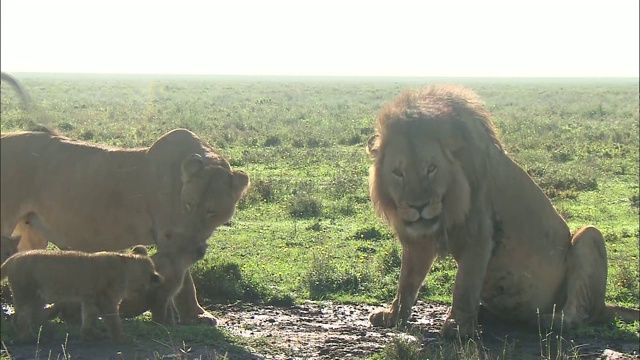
[{"x": 306, "y": 229}]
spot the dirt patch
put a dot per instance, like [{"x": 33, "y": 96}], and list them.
[{"x": 319, "y": 331}]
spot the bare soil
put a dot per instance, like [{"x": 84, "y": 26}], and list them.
[{"x": 317, "y": 331}]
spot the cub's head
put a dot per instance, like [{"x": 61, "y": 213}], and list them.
[
  {"x": 141, "y": 272},
  {"x": 8, "y": 247},
  {"x": 209, "y": 194}
]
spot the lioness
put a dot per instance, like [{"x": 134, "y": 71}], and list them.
[
  {"x": 98, "y": 281},
  {"x": 175, "y": 255},
  {"x": 90, "y": 197},
  {"x": 442, "y": 180}
]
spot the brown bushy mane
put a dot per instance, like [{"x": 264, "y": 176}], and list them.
[{"x": 445, "y": 111}]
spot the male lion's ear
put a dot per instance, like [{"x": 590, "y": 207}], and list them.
[
  {"x": 373, "y": 146},
  {"x": 240, "y": 183},
  {"x": 192, "y": 165}
]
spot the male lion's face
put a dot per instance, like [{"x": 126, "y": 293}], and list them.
[
  {"x": 415, "y": 173},
  {"x": 209, "y": 195}
]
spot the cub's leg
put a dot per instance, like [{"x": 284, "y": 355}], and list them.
[
  {"x": 586, "y": 278},
  {"x": 24, "y": 318},
  {"x": 161, "y": 310},
  {"x": 89, "y": 313},
  {"x": 417, "y": 258},
  {"x": 108, "y": 308},
  {"x": 188, "y": 306}
]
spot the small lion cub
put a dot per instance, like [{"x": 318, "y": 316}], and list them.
[
  {"x": 99, "y": 281},
  {"x": 177, "y": 251}
]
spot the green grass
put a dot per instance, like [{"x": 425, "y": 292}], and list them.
[{"x": 306, "y": 229}]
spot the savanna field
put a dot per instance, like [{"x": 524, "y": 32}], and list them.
[{"x": 306, "y": 229}]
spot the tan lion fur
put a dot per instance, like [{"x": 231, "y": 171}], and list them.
[
  {"x": 174, "y": 256},
  {"x": 90, "y": 197},
  {"x": 99, "y": 281},
  {"x": 444, "y": 183}
]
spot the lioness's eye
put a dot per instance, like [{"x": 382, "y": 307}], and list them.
[
  {"x": 431, "y": 169},
  {"x": 211, "y": 213},
  {"x": 187, "y": 206}
]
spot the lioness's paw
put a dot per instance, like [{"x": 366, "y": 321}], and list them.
[
  {"x": 92, "y": 334},
  {"x": 453, "y": 330},
  {"x": 383, "y": 318},
  {"x": 204, "y": 318}
]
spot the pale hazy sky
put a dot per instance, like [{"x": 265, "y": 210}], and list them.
[{"x": 350, "y": 37}]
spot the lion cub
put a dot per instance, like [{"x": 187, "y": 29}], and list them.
[
  {"x": 176, "y": 253},
  {"x": 99, "y": 281},
  {"x": 8, "y": 247}
]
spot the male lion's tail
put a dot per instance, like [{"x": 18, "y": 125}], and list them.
[{"x": 26, "y": 102}]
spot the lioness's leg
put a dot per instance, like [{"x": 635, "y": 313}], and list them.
[
  {"x": 586, "y": 277},
  {"x": 472, "y": 264},
  {"x": 417, "y": 258},
  {"x": 187, "y": 304},
  {"x": 109, "y": 311}
]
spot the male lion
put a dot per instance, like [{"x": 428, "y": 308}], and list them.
[
  {"x": 98, "y": 281},
  {"x": 90, "y": 197},
  {"x": 174, "y": 257},
  {"x": 443, "y": 182}
]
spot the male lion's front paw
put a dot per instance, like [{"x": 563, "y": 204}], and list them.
[
  {"x": 383, "y": 318},
  {"x": 457, "y": 330}
]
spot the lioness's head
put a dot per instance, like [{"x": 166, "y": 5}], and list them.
[
  {"x": 182, "y": 246},
  {"x": 209, "y": 194}
]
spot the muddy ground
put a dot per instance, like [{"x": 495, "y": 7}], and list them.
[{"x": 318, "y": 331}]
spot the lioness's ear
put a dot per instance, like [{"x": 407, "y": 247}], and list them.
[
  {"x": 373, "y": 146},
  {"x": 140, "y": 250},
  {"x": 240, "y": 183},
  {"x": 192, "y": 165}
]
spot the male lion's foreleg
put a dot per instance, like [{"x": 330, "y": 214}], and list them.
[
  {"x": 586, "y": 278},
  {"x": 187, "y": 304},
  {"x": 472, "y": 264},
  {"x": 417, "y": 258}
]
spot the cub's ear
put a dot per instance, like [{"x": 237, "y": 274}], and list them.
[
  {"x": 373, "y": 146},
  {"x": 191, "y": 166},
  {"x": 140, "y": 250},
  {"x": 240, "y": 183},
  {"x": 156, "y": 279}
]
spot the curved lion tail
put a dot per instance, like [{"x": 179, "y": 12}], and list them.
[
  {"x": 625, "y": 314},
  {"x": 26, "y": 102},
  {"x": 4, "y": 273}
]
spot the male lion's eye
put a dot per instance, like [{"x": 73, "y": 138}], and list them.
[
  {"x": 398, "y": 173},
  {"x": 431, "y": 169}
]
